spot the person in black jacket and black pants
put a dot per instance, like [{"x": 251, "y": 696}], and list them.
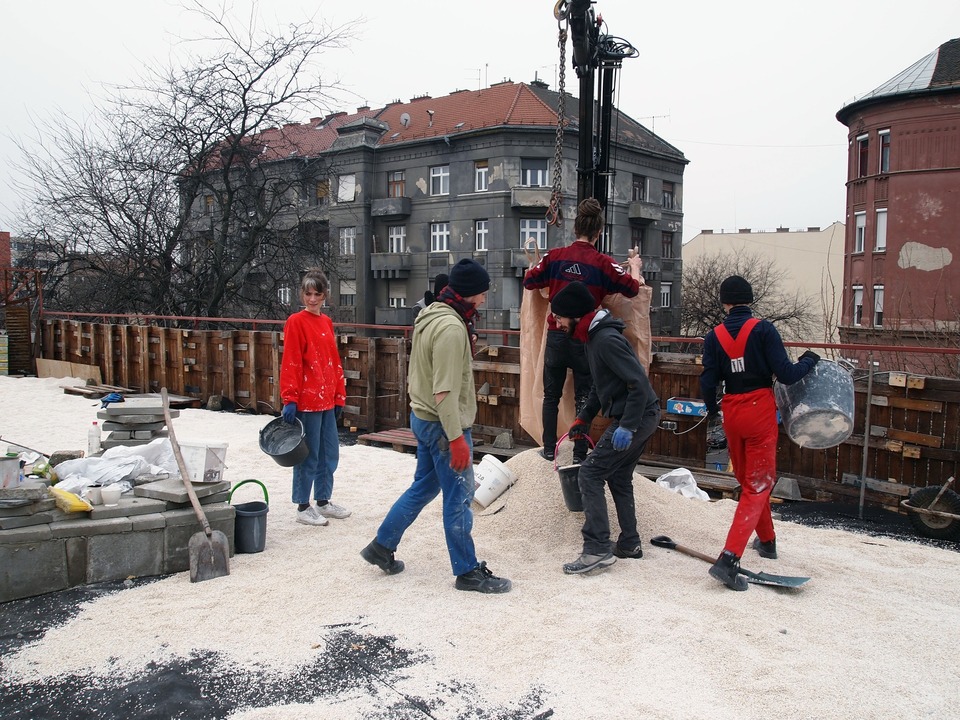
[{"x": 622, "y": 392}]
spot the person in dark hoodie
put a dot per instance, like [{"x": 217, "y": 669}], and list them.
[
  {"x": 621, "y": 390},
  {"x": 745, "y": 353},
  {"x": 439, "y": 283}
]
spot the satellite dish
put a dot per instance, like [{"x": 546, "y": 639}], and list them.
[{"x": 405, "y": 119}]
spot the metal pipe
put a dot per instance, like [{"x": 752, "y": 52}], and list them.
[{"x": 866, "y": 433}]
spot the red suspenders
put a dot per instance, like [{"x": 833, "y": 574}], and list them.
[{"x": 735, "y": 348}]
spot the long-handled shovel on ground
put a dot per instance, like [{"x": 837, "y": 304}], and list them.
[
  {"x": 209, "y": 550},
  {"x": 760, "y": 578}
]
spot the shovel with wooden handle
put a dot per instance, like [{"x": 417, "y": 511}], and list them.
[
  {"x": 759, "y": 578},
  {"x": 209, "y": 550}
]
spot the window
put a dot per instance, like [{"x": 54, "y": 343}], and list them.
[
  {"x": 666, "y": 293},
  {"x": 347, "y": 188},
  {"x": 884, "y": 136},
  {"x": 604, "y": 242},
  {"x": 440, "y": 180},
  {"x": 857, "y": 304},
  {"x": 636, "y": 238},
  {"x": 533, "y": 172},
  {"x": 284, "y": 295},
  {"x": 533, "y": 230},
  {"x": 639, "y": 188},
  {"x": 881, "y": 245},
  {"x": 208, "y": 204},
  {"x": 397, "y": 293},
  {"x": 878, "y": 305},
  {"x": 481, "y": 229},
  {"x": 348, "y": 241},
  {"x": 321, "y": 193},
  {"x": 395, "y": 183},
  {"x": 480, "y": 175},
  {"x": 863, "y": 169},
  {"x": 348, "y": 293},
  {"x": 439, "y": 237},
  {"x": 668, "y": 195},
  {"x": 666, "y": 245},
  {"x": 397, "y": 238},
  {"x": 861, "y": 231}
]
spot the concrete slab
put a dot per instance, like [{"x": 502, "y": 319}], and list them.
[
  {"x": 26, "y": 535},
  {"x": 114, "y": 557},
  {"x": 118, "y": 417},
  {"x": 787, "y": 489},
  {"x": 146, "y": 425},
  {"x": 172, "y": 490},
  {"x": 88, "y": 527},
  {"x": 34, "y": 507},
  {"x": 128, "y": 506},
  {"x": 32, "y": 568},
  {"x": 9, "y": 523},
  {"x": 183, "y": 524},
  {"x": 153, "y": 521}
]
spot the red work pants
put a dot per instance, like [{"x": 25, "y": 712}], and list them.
[{"x": 750, "y": 424}]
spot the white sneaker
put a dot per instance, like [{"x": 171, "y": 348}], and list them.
[
  {"x": 332, "y": 510},
  {"x": 310, "y": 516}
]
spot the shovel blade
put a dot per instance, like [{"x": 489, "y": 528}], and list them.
[
  {"x": 762, "y": 578},
  {"x": 209, "y": 556}
]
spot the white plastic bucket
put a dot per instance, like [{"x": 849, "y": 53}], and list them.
[
  {"x": 491, "y": 478},
  {"x": 205, "y": 461}
]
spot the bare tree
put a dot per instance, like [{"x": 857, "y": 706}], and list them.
[
  {"x": 178, "y": 196},
  {"x": 792, "y": 313}
]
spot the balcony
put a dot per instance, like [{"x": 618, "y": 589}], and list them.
[
  {"x": 390, "y": 207},
  {"x": 644, "y": 212},
  {"x": 393, "y": 316},
  {"x": 530, "y": 197},
  {"x": 347, "y": 267},
  {"x": 391, "y": 265}
]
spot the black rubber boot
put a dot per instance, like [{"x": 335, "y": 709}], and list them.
[
  {"x": 727, "y": 570},
  {"x": 766, "y": 549},
  {"x": 634, "y": 553},
  {"x": 377, "y": 554}
]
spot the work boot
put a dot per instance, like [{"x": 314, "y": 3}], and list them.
[
  {"x": 766, "y": 549},
  {"x": 377, "y": 554},
  {"x": 481, "y": 580},
  {"x": 727, "y": 570},
  {"x": 547, "y": 454},
  {"x": 634, "y": 553},
  {"x": 586, "y": 563}
]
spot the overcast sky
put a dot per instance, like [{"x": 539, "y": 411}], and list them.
[{"x": 747, "y": 90}]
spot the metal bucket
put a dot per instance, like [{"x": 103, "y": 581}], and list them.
[
  {"x": 817, "y": 411},
  {"x": 284, "y": 442}
]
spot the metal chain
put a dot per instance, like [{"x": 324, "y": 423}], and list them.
[{"x": 554, "y": 213}]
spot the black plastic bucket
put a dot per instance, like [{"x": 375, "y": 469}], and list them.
[
  {"x": 250, "y": 526},
  {"x": 570, "y": 486},
  {"x": 284, "y": 442}
]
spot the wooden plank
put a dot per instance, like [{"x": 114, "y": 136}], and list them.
[
  {"x": 877, "y": 485},
  {"x": 907, "y": 403},
  {"x": 371, "y": 383},
  {"x": 914, "y": 438},
  {"x": 509, "y": 368}
]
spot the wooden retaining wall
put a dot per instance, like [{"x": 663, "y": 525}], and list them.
[{"x": 913, "y": 434}]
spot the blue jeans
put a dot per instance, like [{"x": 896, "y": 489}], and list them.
[
  {"x": 433, "y": 476},
  {"x": 316, "y": 471}
]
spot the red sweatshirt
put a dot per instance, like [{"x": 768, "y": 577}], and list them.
[
  {"x": 311, "y": 374},
  {"x": 580, "y": 261}
]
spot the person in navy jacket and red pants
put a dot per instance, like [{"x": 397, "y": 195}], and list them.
[{"x": 745, "y": 353}]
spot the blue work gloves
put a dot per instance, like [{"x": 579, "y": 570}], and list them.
[
  {"x": 338, "y": 413},
  {"x": 622, "y": 438},
  {"x": 289, "y": 412}
]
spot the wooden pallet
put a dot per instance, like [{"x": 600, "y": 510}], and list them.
[
  {"x": 95, "y": 392},
  {"x": 403, "y": 440}
]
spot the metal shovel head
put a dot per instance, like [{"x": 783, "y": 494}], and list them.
[{"x": 209, "y": 556}]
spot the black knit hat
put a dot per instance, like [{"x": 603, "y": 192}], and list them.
[
  {"x": 735, "y": 291},
  {"x": 468, "y": 278},
  {"x": 439, "y": 283},
  {"x": 573, "y": 301}
]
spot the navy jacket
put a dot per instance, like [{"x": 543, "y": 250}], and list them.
[
  {"x": 621, "y": 388},
  {"x": 764, "y": 357}
]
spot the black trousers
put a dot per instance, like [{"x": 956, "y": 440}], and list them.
[
  {"x": 562, "y": 353},
  {"x": 606, "y": 466}
]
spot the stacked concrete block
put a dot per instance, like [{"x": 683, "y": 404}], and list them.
[{"x": 135, "y": 421}]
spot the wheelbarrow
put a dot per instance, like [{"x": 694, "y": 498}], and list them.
[{"x": 934, "y": 511}]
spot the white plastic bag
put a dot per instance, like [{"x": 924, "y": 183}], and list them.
[{"x": 682, "y": 481}]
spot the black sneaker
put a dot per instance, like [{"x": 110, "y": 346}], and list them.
[
  {"x": 377, "y": 554},
  {"x": 579, "y": 459},
  {"x": 547, "y": 454},
  {"x": 586, "y": 563},
  {"x": 634, "y": 553},
  {"x": 482, "y": 580},
  {"x": 727, "y": 570},
  {"x": 766, "y": 549}
]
